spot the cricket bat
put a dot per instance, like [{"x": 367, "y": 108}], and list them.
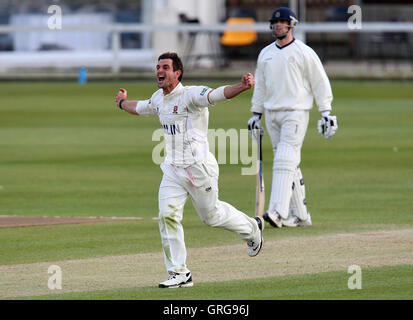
[{"x": 259, "y": 188}]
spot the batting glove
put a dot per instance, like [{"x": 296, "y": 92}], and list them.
[
  {"x": 327, "y": 126},
  {"x": 254, "y": 126}
]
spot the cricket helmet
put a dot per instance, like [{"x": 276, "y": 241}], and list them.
[{"x": 284, "y": 14}]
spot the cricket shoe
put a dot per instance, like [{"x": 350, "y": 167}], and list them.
[
  {"x": 177, "y": 280},
  {"x": 254, "y": 246},
  {"x": 305, "y": 223},
  {"x": 294, "y": 221},
  {"x": 291, "y": 221},
  {"x": 273, "y": 218}
]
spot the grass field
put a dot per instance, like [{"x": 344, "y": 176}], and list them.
[{"x": 66, "y": 150}]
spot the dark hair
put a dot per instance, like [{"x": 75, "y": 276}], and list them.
[{"x": 176, "y": 62}]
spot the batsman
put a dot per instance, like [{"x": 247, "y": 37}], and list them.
[{"x": 288, "y": 77}]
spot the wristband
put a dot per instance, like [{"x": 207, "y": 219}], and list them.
[
  {"x": 325, "y": 113},
  {"x": 259, "y": 115},
  {"x": 120, "y": 103}
]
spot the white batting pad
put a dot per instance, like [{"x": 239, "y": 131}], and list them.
[
  {"x": 286, "y": 157},
  {"x": 286, "y": 160},
  {"x": 281, "y": 192},
  {"x": 298, "y": 205}
]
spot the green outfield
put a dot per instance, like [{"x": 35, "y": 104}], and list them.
[{"x": 66, "y": 150}]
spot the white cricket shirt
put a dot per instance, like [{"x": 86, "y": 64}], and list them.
[
  {"x": 289, "y": 78},
  {"x": 184, "y": 115}
]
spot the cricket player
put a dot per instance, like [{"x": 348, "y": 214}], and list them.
[
  {"x": 288, "y": 76},
  {"x": 189, "y": 169}
]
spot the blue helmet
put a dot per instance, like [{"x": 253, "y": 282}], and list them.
[{"x": 284, "y": 14}]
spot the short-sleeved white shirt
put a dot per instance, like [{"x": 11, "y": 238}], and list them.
[{"x": 184, "y": 115}]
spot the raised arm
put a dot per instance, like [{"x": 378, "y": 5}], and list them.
[
  {"x": 246, "y": 83},
  {"x": 231, "y": 91},
  {"x": 127, "y": 105}
]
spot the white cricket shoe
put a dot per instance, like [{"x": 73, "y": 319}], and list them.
[
  {"x": 273, "y": 218},
  {"x": 291, "y": 221},
  {"x": 294, "y": 221},
  {"x": 305, "y": 223},
  {"x": 254, "y": 246},
  {"x": 177, "y": 280}
]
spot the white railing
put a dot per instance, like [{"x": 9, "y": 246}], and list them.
[
  {"x": 258, "y": 27},
  {"x": 300, "y": 31}
]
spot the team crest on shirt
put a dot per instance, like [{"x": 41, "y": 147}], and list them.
[{"x": 175, "y": 110}]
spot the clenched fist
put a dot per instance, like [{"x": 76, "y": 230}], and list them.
[
  {"x": 122, "y": 95},
  {"x": 247, "y": 80}
]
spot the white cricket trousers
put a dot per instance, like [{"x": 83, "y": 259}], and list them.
[
  {"x": 287, "y": 131},
  {"x": 200, "y": 183}
]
